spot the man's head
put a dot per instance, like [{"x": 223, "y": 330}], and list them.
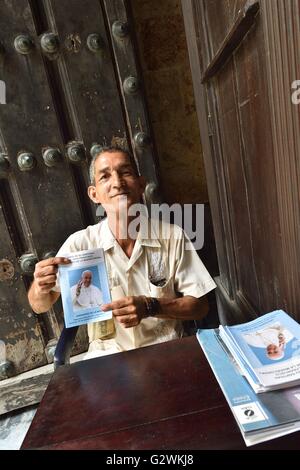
[
  {"x": 115, "y": 179},
  {"x": 275, "y": 352},
  {"x": 86, "y": 278}
]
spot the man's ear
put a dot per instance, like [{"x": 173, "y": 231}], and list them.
[
  {"x": 142, "y": 183},
  {"x": 93, "y": 194}
]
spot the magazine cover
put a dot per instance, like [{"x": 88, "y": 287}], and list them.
[
  {"x": 260, "y": 417},
  {"x": 84, "y": 287},
  {"x": 271, "y": 347}
]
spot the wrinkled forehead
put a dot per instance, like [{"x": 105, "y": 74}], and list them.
[
  {"x": 113, "y": 161},
  {"x": 105, "y": 158}
]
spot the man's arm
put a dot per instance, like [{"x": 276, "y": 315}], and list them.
[
  {"x": 183, "y": 308},
  {"x": 131, "y": 310},
  {"x": 40, "y": 295}
]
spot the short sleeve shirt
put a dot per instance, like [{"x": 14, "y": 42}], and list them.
[{"x": 163, "y": 263}]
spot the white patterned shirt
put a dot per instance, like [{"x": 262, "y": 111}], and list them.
[{"x": 158, "y": 267}]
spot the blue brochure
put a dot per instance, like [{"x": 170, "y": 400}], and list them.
[
  {"x": 267, "y": 350},
  {"x": 260, "y": 417},
  {"x": 84, "y": 287}
]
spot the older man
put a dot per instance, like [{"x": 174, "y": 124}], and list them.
[
  {"x": 272, "y": 338},
  {"x": 84, "y": 294},
  {"x": 160, "y": 279}
]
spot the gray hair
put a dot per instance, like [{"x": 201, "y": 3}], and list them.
[
  {"x": 85, "y": 272},
  {"x": 110, "y": 149}
]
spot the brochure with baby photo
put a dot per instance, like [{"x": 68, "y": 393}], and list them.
[
  {"x": 267, "y": 350},
  {"x": 84, "y": 287}
]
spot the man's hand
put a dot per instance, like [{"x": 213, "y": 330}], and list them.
[
  {"x": 45, "y": 275},
  {"x": 78, "y": 288},
  {"x": 281, "y": 339},
  {"x": 40, "y": 295},
  {"x": 128, "y": 311}
]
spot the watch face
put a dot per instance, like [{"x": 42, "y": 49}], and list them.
[
  {"x": 155, "y": 306},
  {"x": 152, "y": 307}
]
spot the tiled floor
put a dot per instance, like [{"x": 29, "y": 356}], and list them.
[{"x": 13, "y": 428}]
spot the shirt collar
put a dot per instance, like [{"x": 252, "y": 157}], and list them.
[
  {"x": 107, "y": 239},
  {"x": 147, "y": 235}
]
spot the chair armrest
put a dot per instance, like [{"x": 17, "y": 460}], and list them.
[{"x": 64, "y": 346}]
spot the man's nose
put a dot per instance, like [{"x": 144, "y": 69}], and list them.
[{"x": 117, "y": 181}]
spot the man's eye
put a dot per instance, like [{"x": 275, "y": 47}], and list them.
[{"x": 103, "y": 177}]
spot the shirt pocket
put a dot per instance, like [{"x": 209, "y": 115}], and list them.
[{"x": 167, "y": 290}]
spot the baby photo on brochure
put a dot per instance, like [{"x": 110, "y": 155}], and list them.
[{"x": 84, "y": 287}]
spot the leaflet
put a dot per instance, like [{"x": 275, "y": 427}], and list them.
[
  {"x": 260, "y": 417},
  {"x": 267, "y": 349},
  {"x": 84, "y": 287}
]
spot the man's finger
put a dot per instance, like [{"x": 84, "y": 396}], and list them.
[
  {"x": 53, "y": 261},
  {"x": 126, "y": 319},
  {"x": 48, "y": 270},
  {"x": 106, "y": 307},
  {"x": 47, "y": 288},
  {"x": 120, "y": 303},
  {"x": 120, "y": 312},
  {"x": 47, "y": 280}
]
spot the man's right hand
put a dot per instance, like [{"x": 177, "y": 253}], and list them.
[
  {"x": 45, "y": 274},
  {"x": 78, "y": 288}
]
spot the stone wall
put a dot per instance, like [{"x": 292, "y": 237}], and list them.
[{"x": 164, "y": 59}]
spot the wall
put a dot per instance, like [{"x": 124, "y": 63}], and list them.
[{"x": 169, "y": 90}]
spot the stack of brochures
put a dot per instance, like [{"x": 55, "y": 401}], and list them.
[
  {"x": 259, "y": 356},
  {"x": 267, "y": 350}
]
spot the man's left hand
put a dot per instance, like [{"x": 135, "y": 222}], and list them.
[{"x": 128, "y": 311}]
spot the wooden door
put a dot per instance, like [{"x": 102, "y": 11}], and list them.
[
  {"x": 244, "y": 60},
  {"x": 69, "y": 83}
]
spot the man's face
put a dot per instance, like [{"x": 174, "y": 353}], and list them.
[
  {"x": 87, "y": 279},
  {"x": 274, "y": 351},
  {"x": 116, "y": 182}
]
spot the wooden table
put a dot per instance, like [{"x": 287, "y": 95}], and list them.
[{"x": 159, "y": 397}]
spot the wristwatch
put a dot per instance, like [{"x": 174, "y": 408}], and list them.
[{"x": 152, "y": 307}]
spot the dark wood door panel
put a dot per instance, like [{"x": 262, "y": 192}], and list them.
[
  {"x": 260, "y": 177},
  {"x": 247, "y": 61},
  {"x": 29, "y": 124},
  {"x": 89, "y": 75},
  {"x": 225, "y": 244},
  {"x": 250, "y": 174},
  {"x": 19, "y": 330},
  {"x": 129, "y": 71},
  {"x": 232, "y": 148},
  {"x": 220, "y": 16}
]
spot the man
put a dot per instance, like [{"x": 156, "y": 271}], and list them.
[
  {"x": 273, "y": 338},
  {"x": 84, "y": 293},
  {"x": 159, "y": 280}
]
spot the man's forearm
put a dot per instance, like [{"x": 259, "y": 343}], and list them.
[
  {"x": 183, "y": 308},
  {"x": 41, "y": 302}
]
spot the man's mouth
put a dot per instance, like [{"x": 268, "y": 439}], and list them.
[{"x": 120, "y": 194}]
